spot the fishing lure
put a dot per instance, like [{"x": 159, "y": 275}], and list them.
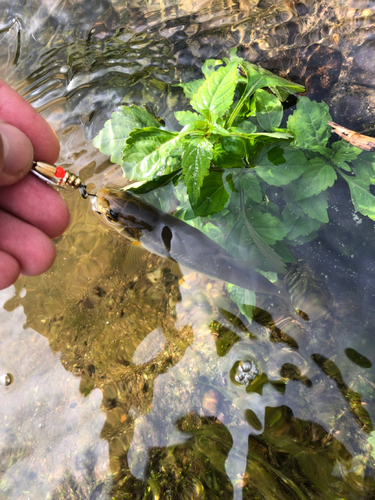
[{"x": 58, "y": 177}]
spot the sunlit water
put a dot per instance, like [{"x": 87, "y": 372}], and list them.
[{"x": 118, "y": 380}]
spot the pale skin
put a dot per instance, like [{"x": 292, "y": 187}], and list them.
[{"x": 31, "y": 212}]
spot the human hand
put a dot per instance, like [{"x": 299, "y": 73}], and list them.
[{"x": 31, "y": 212}]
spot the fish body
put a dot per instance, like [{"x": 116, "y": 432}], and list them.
[{"x": 164, "y": 235}]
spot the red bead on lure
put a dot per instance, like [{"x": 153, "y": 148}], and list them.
[{"x": 58, "y": 176}]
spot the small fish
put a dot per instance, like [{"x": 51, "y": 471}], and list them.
[
  {"x": 354, "y": 138},
  {"x": 172, "y": 238}
]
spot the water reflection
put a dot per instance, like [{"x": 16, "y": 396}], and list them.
[
  {"x": 203, "y": 385},
  {"x": 50, "y": 434}
]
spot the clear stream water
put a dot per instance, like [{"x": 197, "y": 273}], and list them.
[{"x": 121, "y": 376}]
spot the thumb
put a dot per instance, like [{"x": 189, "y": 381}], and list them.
[{"x": 16, "y": 154}]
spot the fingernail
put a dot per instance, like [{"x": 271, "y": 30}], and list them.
[{"x": 16, "y": 154}]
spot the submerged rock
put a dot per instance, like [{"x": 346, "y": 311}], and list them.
[{"x": 247, "y": 371}]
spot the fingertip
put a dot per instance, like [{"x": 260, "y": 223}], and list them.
[
  {"x": 9, "y": 270},
  {"x": 40, "y": 254},
  {"x": 16, "y": 111},
  {"x": 32, "y": 249},
  {"x": 38, "y": 204},
  {"x": 16, "y": 154}
]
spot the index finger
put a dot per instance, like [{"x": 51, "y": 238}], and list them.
[{"x": 16, "y": 111}]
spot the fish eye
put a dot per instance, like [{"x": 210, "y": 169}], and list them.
[{"x": 111, "y": 216}]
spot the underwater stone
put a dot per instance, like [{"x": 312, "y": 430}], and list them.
[
  {"x": 246, "y": 372},
  {"x": 5, "y": 379}
]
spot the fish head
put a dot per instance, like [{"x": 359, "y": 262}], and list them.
[{"x": 122, "y": 211}]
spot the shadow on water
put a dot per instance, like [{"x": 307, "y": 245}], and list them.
[{"x": 150, "y": 386}]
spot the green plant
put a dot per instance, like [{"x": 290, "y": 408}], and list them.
[{"x": 250, "y": 185}]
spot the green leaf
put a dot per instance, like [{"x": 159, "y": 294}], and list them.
[
  {"x": 344, "y": 152},
  {"x": 245, "y": 127},
  {"x": 158, "y": 182},
  {"x": 190, "y": 88},
  {"x": 246, "y": 180},
  {"x": 218, "y": 129},
  {"x": 223, "y": 159},
  {"x": 318, "y": 178},
  {"x": 280, "y": 93},
  {"x": 187, "y": 117},
  {"x": 147, "y": 152},
  {"x": 245, "y": 243},
  {"x": 111, "y": 139},
  {"x": 209, "y": 66},
  {"x": 362, "y": 198},
  {"x": 364, "y": 166},
  {"x": 269, "y": 109},
  {"x": 299, "y": 226},
  {"x": 245, "y": 299},
  {"x": 233, "y": 145},
  {"x": 282, "y": 250},
  {"x": 259, "y": 78},
  {"x": 161, "y": 197},
  {"x": 196, "y": 161},
  {"x": 279, "y": 166},
  {"x": 316, "y": 206},
  {"x": 216, "y": 95},
  {"x": 301, "y": 240},
  {"x": 309, "y": 124},
  {"x": 213, "y": 196},
  {"x": 269, "y": 227},
  {"x": 265, "y": 137},
  {"x": 199, "y": 127}
]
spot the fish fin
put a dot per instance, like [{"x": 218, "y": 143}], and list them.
[{"x": 135, "y": 257}]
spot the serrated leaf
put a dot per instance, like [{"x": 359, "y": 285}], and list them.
[
  {"x": 244, "y": 242},
  {"x": 196, "y": 161},
  {"x": 246, "y": 180},
  {"x": 147, "y": 152},
  {"x": 233, "y": 145},
  {"x": 216, "y": 95},
  {"x": 320, "y": 176},
  {"x": 279, "y": 166},
  {"x": 364, "y": 166},
  {"x": 269, "y": 109},
  {"x": 344, "y": 152},
  {"x": 111, "y": 139},
  {"x": 191, "y": 88},
  {"x": 187, "y": 117},
  {"x": 299, "y": 226},
  {"x": 309, "y": 124},
  {"x": 362, "y": 198},
  {"x": 214, "y": 195},
  {"x": 269, "y": 227},
  {"x": 259, "y": 78},
  {"x": 316, "y": 206}
]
